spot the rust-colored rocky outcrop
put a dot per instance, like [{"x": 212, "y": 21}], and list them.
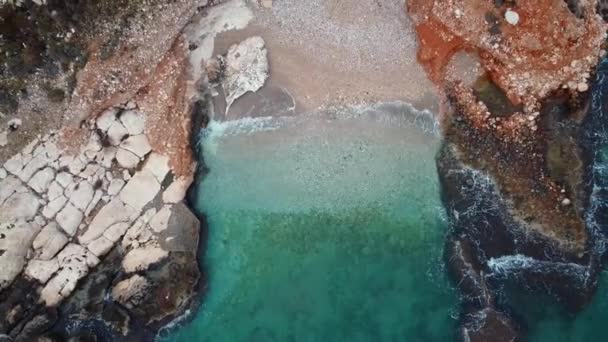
[
  {"x": 547, "y": 47},
  {"x": 528, "y": 50}
]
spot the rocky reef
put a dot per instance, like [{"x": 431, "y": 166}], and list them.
[{"x": 524, "y": 127}]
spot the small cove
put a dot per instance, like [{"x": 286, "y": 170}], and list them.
[
  {"x": 330, "y": 227},
  {"x": 327, "y": 226}
]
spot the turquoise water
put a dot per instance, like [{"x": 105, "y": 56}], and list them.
[
  {"x": 325, "y": 229},
  {"x": 330, "y": 228},
  {"x": 549, "y": 322}
]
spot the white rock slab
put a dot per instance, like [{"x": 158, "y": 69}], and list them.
[
  {"x": 117, "y": 133},
  {"x": 54, "y": 206},
  {"x": 15, "y": 240},
  {"x": 74, "y": 262},
  {"x": 116, "y": 231},
  {"x": 176, "y": 192},
  {"x": 49, "y": 242},
  {"x": 41, "y": 181},
  {"x": 77, "y": 166},
  {"x": 9, "y": 186},
  {"x": 138, "y": 144},
  {"x": 134, "y": 121},
  {"x": 3, "y": 173},
  {"x": 93, "y": 204},
  {"x": 14, "y": 164},
  {"x": 101, "y": 246},
  {"x": 69, "y": 219},
  {"x": 160, "y": 221},
  {"x": 65, "y": 160},
  {"x": 77, "y": 252},
  {"x": 55, "y": 190},
  {"x": 116, "y": 185},
  {"x": 90, "y": 170},
  {"x": 140, "y": 190},
  {"x": 106, "y": 156},
  {"x": 64, "y": 179},
  {"x": 158, "y": 165},
  {"x": 139, "y": 231},
  {"x": 94, "y": 144},
  {"x": 126, "y": 158},
  {"x": 31, "y": 168},
  {"x": 48, "y": 150},
  {"x": 114, "y": 212},
  {"x": 20, "y": 205},
  {"x": 106, "y": 119},
  {"x": 41, "y": 270},
  {"x": 82, "y": 195}
]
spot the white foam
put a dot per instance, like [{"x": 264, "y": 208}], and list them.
[{"x": 516, "y": 263}]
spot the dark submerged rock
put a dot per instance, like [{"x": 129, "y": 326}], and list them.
[{"x": 489, "y": 247}]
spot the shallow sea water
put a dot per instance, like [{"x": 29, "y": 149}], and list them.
[{"x": 330, "y": 228}]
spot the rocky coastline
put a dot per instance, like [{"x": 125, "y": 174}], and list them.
[
  {"x": 521, "y": 159},
  {"x": 97, "y": 237},
  {"x": 97, "y": 241}
]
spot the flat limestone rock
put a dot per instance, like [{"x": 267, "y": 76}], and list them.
[
  {"x": 49, "y": 241},
  {"x": 115, "y": 186},
  {"x": 41, "y": 181},
  {"x": 116, "y": 231},
  {"x": 134, "y": 121},
  {"x": 101, "y": 246},
  {"x": 55, "y": 190},
  {"x": 117, "y": 133},
  {"x": 8, "y": 186},
  {"x": 31, "y": 168},
  {"x": 41, "y": 270},
  {"x": 115, "y": 211},
  {"x": 158, "y": 165},
  {"x": 15, "y": 240},
  {"x": 53, "y": 207},
  {"x": 159, "y": 222},
  {"x": 176, "y": 192},
  {"x": 106, "y": 156},
  {"x": 139, "y": 232},
  {"x": 69, "y": 219},
  {"x": 126, "y": 159},
  {"x": 106, "y": 119},
  {"x": 140, "y": 190},
  {"x": 137, "y": 144},
  {"x": 64, "y": 179},
  {"x": 20, "y": 205},
  {"x": 82, "y": 195},
  {"x": 96, "y": 198},
  {"x": 74, "y": 262}
]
